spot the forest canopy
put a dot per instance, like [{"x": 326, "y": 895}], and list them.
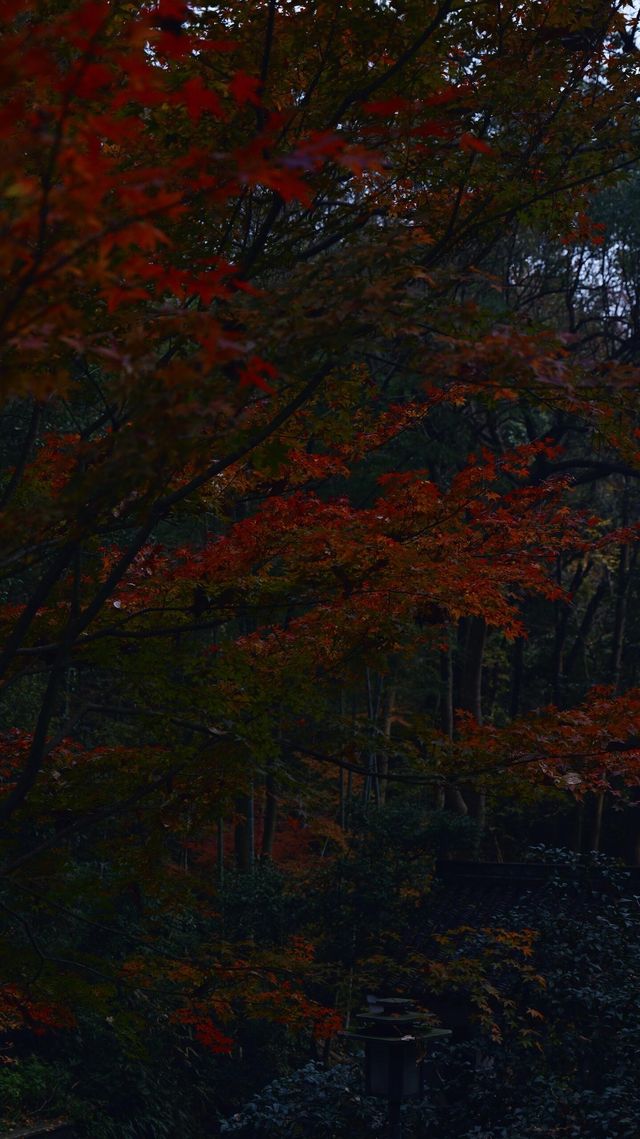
[{"x": 319, "y": 329}]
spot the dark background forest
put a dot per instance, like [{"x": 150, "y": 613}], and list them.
[{"x": 320, "y": 500}]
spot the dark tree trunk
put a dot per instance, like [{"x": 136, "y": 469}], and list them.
[
  {"x": 580, "y": 642},
  {"x": 448, "y": 797},
  {"x": 517, "y": 677},
  {"x": 578, "y": 828},
  {"x": 561, "y": 621},
  {"x": 561, "y": 669},
  {"x": 470, "y": 699},
  {"x": 595, "y": 839},
  {"x": 474, "y": 633},
  {"x": 270, "y": 816},
  {"x": 388, "y": 709},
  {"x": 220, "y": 851},
  {"x": 446, "y": 691},
  {"x": 244, "y": 834},
  {"x": 626, "y": 564}
]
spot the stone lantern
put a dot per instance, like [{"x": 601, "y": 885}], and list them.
[{"x": 395, "y": 1036}]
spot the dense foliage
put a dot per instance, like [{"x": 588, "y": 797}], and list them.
[
  {"x": 318, "y": 486},
  {"x": 571, "y": 1072}
]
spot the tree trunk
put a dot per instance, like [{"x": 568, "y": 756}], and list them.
[
  {"x": 626, "y": 563},
  {"x": 270, "y": 816},
  {"x": 470, "y": 699},
  {"x": 578, "y": 827},
  {"x": 596, "y": 827},
  {"x": 244, "y": 833},
  {"x": 561, "y": 669},
  {"x": 371, "y": 785},
  {"x": 587, "y": 621},
  {"x": 450, "y": 798},
  {"x": 446, "y": 690},
  {"x": 474, "y": 633},
  {"x": 388, "y": 709},
  {"x": 517, "y": 676},
  {"x": 220, "y": 851}
]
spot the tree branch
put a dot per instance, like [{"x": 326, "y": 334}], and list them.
[{"x": 403, "y": 59}]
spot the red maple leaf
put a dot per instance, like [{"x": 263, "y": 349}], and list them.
[{"x": 245, "y": 88}]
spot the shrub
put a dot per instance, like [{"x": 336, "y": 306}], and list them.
[{"x": 323, "y": 1103}]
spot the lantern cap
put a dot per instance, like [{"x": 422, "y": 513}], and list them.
[{"x": 394, "y": 1020}]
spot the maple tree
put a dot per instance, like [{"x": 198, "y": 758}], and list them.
[{"x": 249, "y": 255}]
